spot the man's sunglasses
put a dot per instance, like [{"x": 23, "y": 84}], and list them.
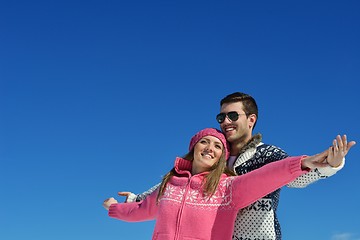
[{"x": 233, "y": 116}]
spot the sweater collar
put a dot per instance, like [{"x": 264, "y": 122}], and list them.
[
  {"x": 252, "y": 143},
  {"x": 246, "y": 152},
  {"x": 182, "y": 165}
]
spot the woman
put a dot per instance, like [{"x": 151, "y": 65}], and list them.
[{"x": 199, "y": 198}]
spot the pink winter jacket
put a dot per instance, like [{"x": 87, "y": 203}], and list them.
[{"x": 185, "y": 213}]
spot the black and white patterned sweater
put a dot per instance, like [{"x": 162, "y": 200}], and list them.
[{"x": 259, "y": 221}]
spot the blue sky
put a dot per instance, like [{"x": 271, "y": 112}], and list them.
[{"x": 101, "y": 96}]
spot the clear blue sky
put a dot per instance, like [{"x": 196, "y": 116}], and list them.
[{"x": 101, "y": 96}]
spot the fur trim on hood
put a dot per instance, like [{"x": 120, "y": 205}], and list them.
[{"x": 252, "y": 143}]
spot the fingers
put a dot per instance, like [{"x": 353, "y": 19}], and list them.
[
  {"x": 107, "y": 203},
  {"x": 314, "y": 161},
  {"x": 109, "y": 199},
  {"x": 335, "y": 143},
  {"x": 342, "y": 144},
  {"x": 331, "y": 153},
  {"x": 350, "y": 144},
  {"x": 320, "y": 165},
  {"x": 339, "y": 142},
  {"x": 323, "y": 155},
  {"x": 124, "y": 194}
]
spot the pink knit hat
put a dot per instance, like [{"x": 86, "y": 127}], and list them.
[{"x": 210, "y": 132}]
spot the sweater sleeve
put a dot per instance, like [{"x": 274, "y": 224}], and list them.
[
  {"x": 315, "y": 175},
  {"x": 136, "y": 211},
  {"x": 254, "y": 185},
  {"x": 329, "y": 171},
  {"x": 143, "y": 195}
]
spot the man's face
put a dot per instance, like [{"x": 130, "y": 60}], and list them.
[{"x": 239, "y": 130}]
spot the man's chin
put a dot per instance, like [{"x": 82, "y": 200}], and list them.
[{"x": 230, "y": 137}]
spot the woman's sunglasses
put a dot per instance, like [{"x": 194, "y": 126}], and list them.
[{"x": 233, "y": 116}]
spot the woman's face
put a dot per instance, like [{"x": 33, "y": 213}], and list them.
[{"x": 207, "y": 152}]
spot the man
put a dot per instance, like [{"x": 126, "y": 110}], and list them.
[{"x": 237, "y": 119}]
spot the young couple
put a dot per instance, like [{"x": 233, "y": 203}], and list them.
[{"x": 200, "y": 199}]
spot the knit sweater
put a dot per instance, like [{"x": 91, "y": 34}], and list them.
[
  {"x": 259, "y": 221},
  {"x": 184, "y": 212}
]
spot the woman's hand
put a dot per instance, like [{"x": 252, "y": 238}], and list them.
[
  {"x": 107, "y": 203},
  {"x": 315, "y": 161}
]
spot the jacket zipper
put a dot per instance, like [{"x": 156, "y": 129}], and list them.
[{"x": 177, "y": 232}]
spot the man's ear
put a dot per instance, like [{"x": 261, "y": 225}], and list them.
[{"x": 252, "y": 120}]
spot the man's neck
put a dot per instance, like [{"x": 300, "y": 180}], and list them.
[{"x": 237, "y": 146}]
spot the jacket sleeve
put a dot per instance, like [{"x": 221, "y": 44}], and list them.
[
  {"x": 142, "y": 196},
  {"x": 304, "y": 180},
  {"x": 315, "y": 175},
  {"x": 256, "y": 184},
  {"x": 136, "y": 211}
]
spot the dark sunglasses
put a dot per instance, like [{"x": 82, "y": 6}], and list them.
[{"x": 233, "y": 116}]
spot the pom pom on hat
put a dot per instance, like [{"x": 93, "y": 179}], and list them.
[{"x": 211, "y": 132}]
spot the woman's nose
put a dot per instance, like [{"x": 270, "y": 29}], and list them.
[{"x": 210, "y": 147}]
